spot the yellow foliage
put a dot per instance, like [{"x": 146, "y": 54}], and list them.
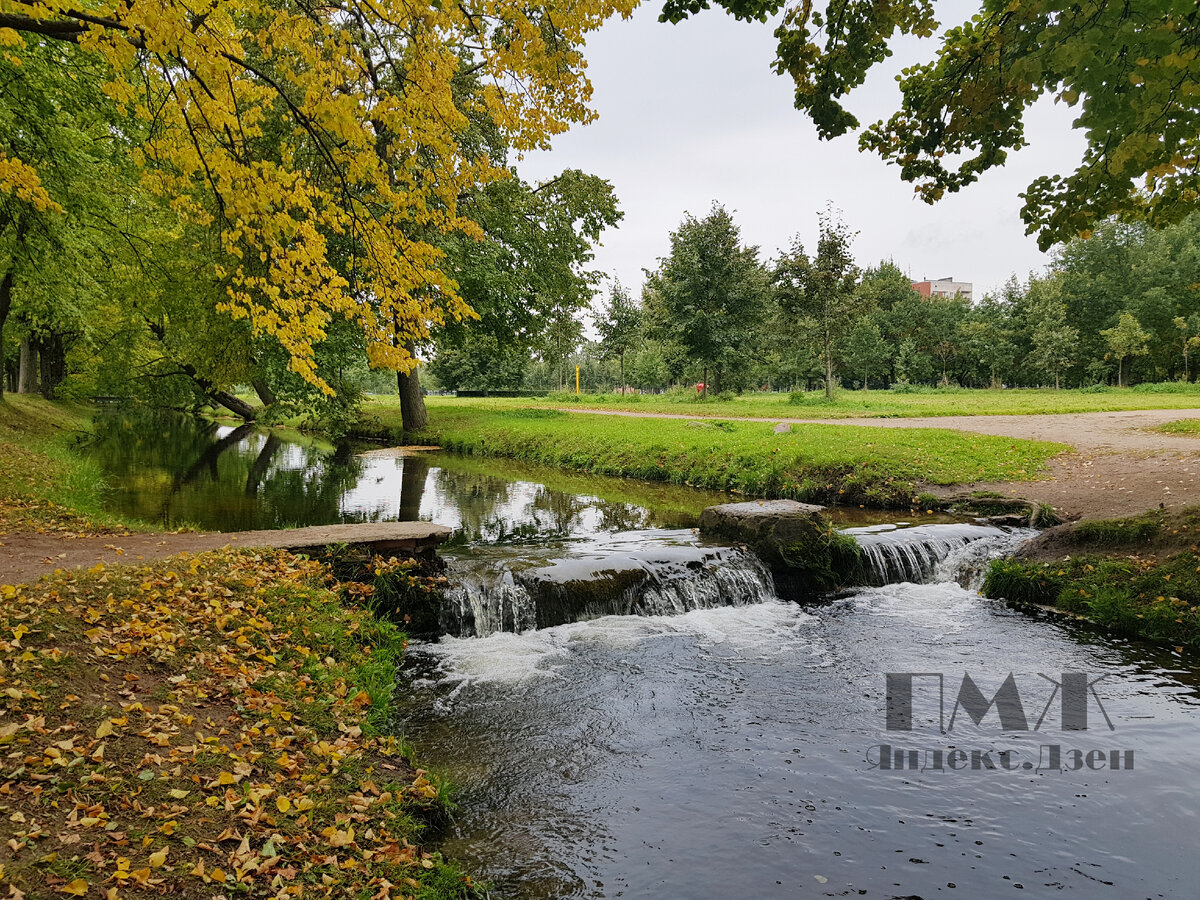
[{"x": 374, "y": 153}]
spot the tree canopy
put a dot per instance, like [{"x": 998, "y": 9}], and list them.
[
  {"x": 1131, "y": 69},
  {"x": 328, "y": 145}
]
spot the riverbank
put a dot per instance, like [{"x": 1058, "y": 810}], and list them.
[
  {"x": 814, "y": 463},
  {"x": 45, "y": 485},
  {"x": 1137, "y": 575},
  {"x": 209, "y": 724}
]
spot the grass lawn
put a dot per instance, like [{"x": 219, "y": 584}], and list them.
[
  {"x": 881, "y": 404},
  {"x": 817, "y": 463},
  {"x": 44, "y": 484}
]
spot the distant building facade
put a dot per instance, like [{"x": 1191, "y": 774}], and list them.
[{"x": 943, "y": 287}]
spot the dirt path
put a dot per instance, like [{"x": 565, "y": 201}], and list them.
[
  {"x": 1119, "y": 467},
  {"x": 26, "y": 556}
]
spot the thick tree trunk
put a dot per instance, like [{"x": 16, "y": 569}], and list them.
[
  {"x": 53, "y": 363},
  {"x": 235, "y": 405},
  {"x": 828, "y": 376},
  {"x": 6, "y": 288},
  {"x": 27, "y": 377},
  {"x": 413, "y": 415},
  {"x": 717, "y": 380}
]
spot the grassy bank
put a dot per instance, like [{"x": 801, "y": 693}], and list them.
[
  {"x": 207, "y": 726},
  {"x": 44, "y": 484},
  {"x": 817, "y": 463},
  {"x": 1138, "y": 575},
  {"x": 202, "y": 727},
  {"x": 871, "y": 404}
]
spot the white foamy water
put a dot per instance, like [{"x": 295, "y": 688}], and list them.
[{"x": 758, "y": 631}]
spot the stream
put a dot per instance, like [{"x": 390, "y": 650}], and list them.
[{"x": 628, "y": 711}]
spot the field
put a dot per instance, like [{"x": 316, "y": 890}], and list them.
[
  {"x": 824, "y": 463},
  {"x": 918, "y": 401}
]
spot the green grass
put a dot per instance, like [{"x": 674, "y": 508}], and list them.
[
  {"x": 848, "y": 403},
  {"x": 1180, "y": 426},
  {"x": 825, "y": 463},
  {"x": 44, "y": 483},
  {"x": 1154, "y": 599}
]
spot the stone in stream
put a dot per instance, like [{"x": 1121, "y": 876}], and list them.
[{"x": 807, "y": 556}]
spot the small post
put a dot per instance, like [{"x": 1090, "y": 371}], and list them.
[{"x": 577, "y": 381}]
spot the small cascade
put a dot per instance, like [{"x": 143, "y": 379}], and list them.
[
  {"x": 929, "y": 553},
  {"x": 630, "y": 574}
]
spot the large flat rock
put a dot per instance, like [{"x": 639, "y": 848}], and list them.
[
  {"x": 806, "y": 555},
  {"x": 756, "y": 520}
]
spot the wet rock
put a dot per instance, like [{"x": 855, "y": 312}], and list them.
[{"x": 807, "y": 556}]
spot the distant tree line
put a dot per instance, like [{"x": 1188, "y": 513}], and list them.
[{"x": 1119, "y": 308}]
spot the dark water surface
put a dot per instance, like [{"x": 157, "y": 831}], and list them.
[{"x": 723, "y": 752}]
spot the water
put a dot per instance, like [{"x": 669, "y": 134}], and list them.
[
  {"x": 723, "y": 753},
  {"x": 722, "y": 749},
  {"x": 172, "y": 469}
]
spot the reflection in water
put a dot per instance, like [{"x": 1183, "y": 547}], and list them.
[{"x": 173, "y": 469}]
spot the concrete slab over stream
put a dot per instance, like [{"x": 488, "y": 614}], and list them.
[{"x": 28, "y": 556}]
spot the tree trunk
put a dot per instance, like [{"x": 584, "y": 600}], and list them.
[
  {"x": 828, "y": 376},
  {"x": 413, "y": 414},
  {"x": 235, "y": 405},
  {"x": 621, "y": 356},
  {"x": 704, "y": 384},
  {"x": 717, "y": 380},
  {"x": 54, "y": 364},
  {"x": 6, "y": 286},
  {"x": 27, "y": 378},
  {"x": 265, "y": 394}
]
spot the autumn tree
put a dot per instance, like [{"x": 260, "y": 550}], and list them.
[
  {"x": 819, "y": 295},
  {"x": 324, "y": 143}
]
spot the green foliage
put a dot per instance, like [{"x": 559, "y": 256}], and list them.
[
  {"x": 1180, "y": 426},
  {"x": 708, "y": 294},
  {"x": 818, "y": 297},
  {"x": 1118, "y": 532},
  {"x": 1129, "y": 69}
]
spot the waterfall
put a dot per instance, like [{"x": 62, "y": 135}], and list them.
[
  {"x": 930, "y": 553},
  {"x": 636, "y": 573}
]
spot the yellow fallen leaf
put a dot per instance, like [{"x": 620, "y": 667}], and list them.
[
  {"x": 105, "y": 729},
  {"x": 76, "y": 888},
  {"x": 157, "y": 860},
  {"x": 227, "y": 778}
]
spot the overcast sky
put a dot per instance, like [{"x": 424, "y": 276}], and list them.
[{"x": 692, "y": 113}]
